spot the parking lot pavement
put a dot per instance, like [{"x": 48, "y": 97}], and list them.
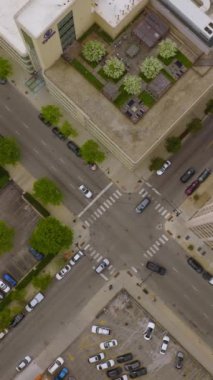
[
  {"x": 22, "y": 217},
  {"x": 128, "y": 321}
]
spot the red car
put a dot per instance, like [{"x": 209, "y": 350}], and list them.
[{"x": 191, "y": 188}]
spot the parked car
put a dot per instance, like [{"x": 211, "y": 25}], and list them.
[
  {"x": 179, "y": 360},
  {"x": 62, "y": 374},
  {"x": 34, "y": 302},
  {"x": 85, "y": 191},
  {"x": 149, "y": 330},
  {"x": 2, "y": 295},
  {"x": 62, "y": 273},
  {"x": 142, "y": 205},
  {"x": 47, "y": 123},
  {"x": 110, "y": 363},
  {"x": 122, "y": 377},
  {"x": 208, "y": 276},
  {"x": 103, "y": 265},
  {"x": 17, "y": 319},
  {"x": 6, "y": 288},
  {"x": 96, "y": 358},
  {"x": 58, "y": 133},
  {"x": 3, "y": 333},
  {"x": 124, "y": 358},
  {"x": 36, "y": 254},
  {"x": 187, "y": 175},
  {"x": 204, "y": 175},
  {"x": 3, "y": 81},
  {"x": 74, "y": 148},
  {"x": 10, "y": 279},
  {"x": 108, "y": 344},
  {"x": 195, "y": 265},
  {"x": 192, "y": 187},
  {"x": 100, "y": 330},
  {"x": 154, "y": 267},
  {"x": 77, "y": 256},
  {"x": 164, "y": 345},
  {"x": 132, "y": 365},
  {"x": 164, "y": 167},
  {"x": 114, "y": 372},
  {"x": 55, "y": 365},
  {"x": 23, "y": 364},
  {"x": 138, "y": 372}
]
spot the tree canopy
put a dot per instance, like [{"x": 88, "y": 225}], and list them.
[
  {"x": 9, "y": 151},
  {"x": 114, "y": 68},
  {"x": 51, "y": 236},
  {"x": 42, "y": 281},
  {"x": 47, "y": 192},
  {"x": 151, "y": 67},
  {"x": 91, "y": 152},
  {"x": 51, "y": 113},
  {"x": 93, "y": 51},
  {"x": 194, "y": 126},
  {"x": 173, "y": 144},
  {"x": 68, "y": 130},
  {"x": 5, "y": 68},
  {"x": 209, "y": 106},
  {"x": 5, "y": 317},
  {"x": 132, "y": 84},
  {"x": 167, "y": 48},
  {"x": 156, "y": 163},
  {"x": 6, "y": 237}
]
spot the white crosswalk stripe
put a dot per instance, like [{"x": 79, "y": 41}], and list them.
[
  {"x": 87, "y": 223},
  {"x": 149, "y": 253},
  {"x": 165, "y": 237},
  {"x": 164, "y": 212},
  {"x": 102, "y": 208},
  {"x": 86, "y": 247},
  {"x": 96, "y": 255},
  {"x": 106, "y": 205},
  {"x": 93, "y": 253},
  {"x": 99, "y": 259},
  {"x": 116, "y": 195},
  {"x": 112, "y": 199},
  {"x": 118, "y": 192},
  {"x": 156, "y": 247},
  {"x": 157, "y": 206},
  {"x": 108, "y": 201}
]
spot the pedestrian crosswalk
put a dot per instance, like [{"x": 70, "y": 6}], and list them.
[
  {"x": 155, "y": 247},
  {"x": 158, "y": 206},
  {"x": 101, "y": 209},
  {"x": 96, "y": 256}
]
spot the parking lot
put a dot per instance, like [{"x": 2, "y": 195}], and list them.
[
  {"x": 128, "y": 321},
  {"x": 22, "y": 217}
]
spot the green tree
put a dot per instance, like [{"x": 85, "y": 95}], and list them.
[
  {"x": 47, "y": 192},
  {"x": 194, "y": 126},
  {"x": 6, "y": 237},
  {"x": 156, "y": 163},
  {"x": 173, "y": 144},
  {"x": 132, "y": 84},
  {"x": 114, "y": 68},
  {"x": 42, "y": 281},
  {"x": 91, "y": 152},
  {"x": 19, "y": 295},
  {"x": 167, "y": 48},
  {"x": 68, "y": 130},
  {"x": 5, "y": 317},
  {"x": 151, "y": 67},
  {"x": 4, "y": 177},
  {"x": 51, "y": 236},
  {"x": 93, "y": 51},
  {"x": 5, "y": 68},
  {"x": 9, "y": 151},
  {"x": 209, "y": 107},
  {"x": 51, "y": 113}
]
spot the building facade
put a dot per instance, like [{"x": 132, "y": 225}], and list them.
[{"x": 202, "y": 224}]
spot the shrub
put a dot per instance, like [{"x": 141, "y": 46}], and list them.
[
  {"x": 132, "y": 84},
  {"x": 167, "y": 48},
  {"x": 151, "y": 67},
  {"x": 114, "y": 68},
  {"x": 93, "y": 51},
  {"x": 173, "y": 144},
  {"x": 194, "y": 126},
  {"x": 156, "y": 163}
]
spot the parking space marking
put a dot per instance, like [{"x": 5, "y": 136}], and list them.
[
  {"x": 109, "y": 203},
  {"x": 93, "y": 217},
  {"x": 152, "y": 249},
  {"x": 99, "y": 211},
  {"x": 99, "y": 259},
  {"x": 96, "y": 214},
  {"x": 156, "y": 247},
  {"x": 161, "y": 209},
  {"x": 26, "y": 126},
  {"x": 118, "y": 192},
  {"x": 158, "y": 243},
  {"x": 115, "y": 195},
  {"x": 164, "y": 212},
  {"x": 161, "y": 240},
  {"x": 110, "y": 267},
  {"x": 146, "y": 255},
  {"x": 167, "y": 215},
  {"x": 149, "y": 253},
  {"x": 156, "y": 191}
]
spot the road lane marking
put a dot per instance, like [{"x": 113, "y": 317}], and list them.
[
  {"x": 134, "y": 269},
  {"x": 95, "y": 199},
  {"x": 26, "y": 126},
  {"x": 36, "y": 151},
  {"x": 7, "y": 108},
  {"x": 99, "y": 259},
  {"x": 175, "y": 269},
  {"x": 196, "y": 289},
  {"x": 87, "y": 223},
  {"x": 104, "y": 277},
  {"x": 106, "y": 205},
  {"x": 87, "y": 246},
  {"x": 44, "y": 143},
  {"x": 165, "y": 237},
  {"x": 157, "y": 206},
  {"x": 156, "y": 191}
]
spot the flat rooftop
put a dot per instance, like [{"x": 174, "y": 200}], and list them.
[{"x": 114, "y": 11}]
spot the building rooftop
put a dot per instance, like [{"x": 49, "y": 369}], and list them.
[{"x": 113, "y": 11}]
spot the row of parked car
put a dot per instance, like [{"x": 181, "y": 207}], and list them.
[{"x": 194, "y": 264}]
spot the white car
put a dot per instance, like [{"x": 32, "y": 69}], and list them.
[
  {"x": 165, "y": 166},
  {"x": 96, "y": 358},
  {"x": 34, "y": 302},
  {"x": 100, "y": 330},
  {"x": 23, "y": 364},
  {"x": 149, "y": 330},
  {"x": 108, "y": 344},
  {"x": 110, "y": 363},
  {"x": 78, "y": 255},
  {"x": 4, "y": 287},
  {"x": 103, "y": 265},
  {"x": 123, "y": 377},
  {"x": 87, "y": 192},
  {"x": 3, "y": 333},
  {"x": 66, "y": 269},
  {"x": 55, "y": 365},
  {"x": 164, "y": 344}
]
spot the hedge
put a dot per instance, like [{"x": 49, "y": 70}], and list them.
[
  {"x": 4, "y": 177},
  {"x": 36, "y": 204},
  {"x": 87, "y": 74}
]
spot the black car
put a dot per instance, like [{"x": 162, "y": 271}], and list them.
[
  {"x": 58, "y": 133},
  {"x": 187, "y": 175},
  {"x": 195, "y": 265},
  {"x": 154, "y": 267},
  {"x": 3, "y": 81},
  {"x": 124, "y": 358},
  {"x": 74, "y": 148},
  {"x": 36, "y": 254},
  {"x": 132, "y": 365},
  {"x": 179, "y": 360},
  {"x": 204, "y": 175},
  {"x": 46, "y": 122},
  {"x": 138, "y": 372},
  {"x": 206, "y": 275},
  {"x": 114, "y": 372},
  {"x": 17, "y": 319}
]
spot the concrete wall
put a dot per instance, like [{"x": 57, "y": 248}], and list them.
[{"x": 83, "y": 17}]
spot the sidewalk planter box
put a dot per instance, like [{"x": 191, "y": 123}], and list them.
[{"x": 36, "y": 205}]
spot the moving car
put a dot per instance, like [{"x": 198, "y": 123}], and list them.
[
  {"x": 108, "y": 344},
  {"x": 132, "y": 365},
  {"x": 4, "y": 287},
  {"x": 62, "y": 273},
  {"x": 36, "y": 254},
  {"x": 23, "y": 364},
  {"x": 114, "y": 372},
  {"x": 138, "y": 372},
  {"x": 85, "y": 191},
  {"x": 105, "y": 365},
  {"x": 17, "y": 319},
  {"x": 164, "y": 345},
  {"x": 142, "y": 205},
  {"x": 3, "y": 333},
  {"x": 187, "y": 175},
  {"x": 103, "y": 265},
  {"x": 124, "y": 358},
  {"x": 58, "y": 133},
  {"x": 96, "y": 358},
  {"x": 100, "y": 330},
  {"x": 149, "y": 330},
  {"x": 55, "y": 365},
  {"x": 10, "y": 279},
  {"x": 179, "y": 360},
  {"x": 34, "y": 302},
  {"x": 77, "y": 256},
  {"x": 62, "y": 374},
  {"x": 164, "y": 167},
  {"x": 154, "y": 267},
  {"x": 191, "y": 188},
  {"x": 195, "y": 265},
  {"x": 74, "y": 148},
  {"x": 204, "y": 175}
]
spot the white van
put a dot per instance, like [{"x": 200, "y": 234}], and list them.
[{"x": 55, "y": 365}]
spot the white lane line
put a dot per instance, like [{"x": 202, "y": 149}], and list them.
[
  {"x": 26, "y": 126},
  {"x": 165, "y": 237},
  {"x": 106, "y": 205},
  {"x": 196, "y": 289},
  {"x": 104, "y": 277},
  {"x": 44, "y": 143},
  {"x": 175, "y": 269},
  {"x": 118, "y": 192},
  {"x": 87, "y": 223},
  {"x": 87, "y": 246},
  {"x": 112, "y": 199},
  {"x": 95, "y": 199},
  {"x": 156, "y": 247},
  {"x": 36, "y": 151},
  {"x": 157, "y": 206},
  {"x": 96, "y": 256},
  {"x": 155, "y": 191},
  {"x": 108, "y": 201},
  {"x": 102, "y": 208},
  {"x": 162, "y": 241},
  {"x": 161, "y": 209},
  {"x": 7, "y": 108},
  {"x": 96, "y": 214},
  {"x": 134, "y": 269},
  {"x": 164, "y": 212},
  {"x": 99, "y": 259},
  {"x": 149, "y": 253},
  {"x": 62, "y": 160},
  {"x": 99, "y": 211},
  {"x": 93, "y": 253}
]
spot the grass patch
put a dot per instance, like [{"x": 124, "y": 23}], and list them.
[
  {"x": 145, "y": 79},
  {"x": 92, "y": 64},
  {"x": 4, "y": 177},
  {"x": 37, "y": 205},
  {"x": 104, "y": 36},
  {"x": 168, "y": 75},
  {"x": 104, "y": 76},
  {"x": 183, "y": 59},
  {"x": 121, "y": 99},
  {"x": 147, "y": 99},
  {"x": 166, "y": 61},
  {"x": 87, "y": 74}
]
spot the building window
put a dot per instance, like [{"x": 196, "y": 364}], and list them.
[{"x": 66, "y": 30}]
